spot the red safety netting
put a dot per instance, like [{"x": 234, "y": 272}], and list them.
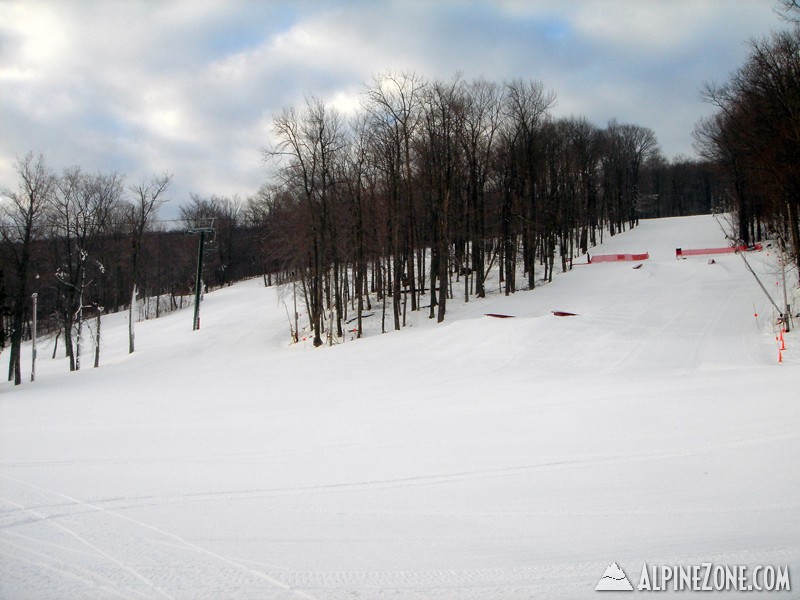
[
  {"x": 617, "y": 257},
  {"x": 701, "y": 251}
]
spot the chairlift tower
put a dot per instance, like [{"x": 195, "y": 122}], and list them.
[{"x": 202, "y": 227}]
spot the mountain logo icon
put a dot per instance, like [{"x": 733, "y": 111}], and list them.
[{"x": 614, "y": 580}]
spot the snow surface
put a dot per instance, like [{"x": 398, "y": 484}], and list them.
[{"x": 478, "y": 458}]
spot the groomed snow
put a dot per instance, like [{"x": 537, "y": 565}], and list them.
[{"x": 479, "y": 458}]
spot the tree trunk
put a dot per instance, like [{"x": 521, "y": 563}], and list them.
[
  {"x": 97, "y": 342},
  {"x": 131, "y": 335}
]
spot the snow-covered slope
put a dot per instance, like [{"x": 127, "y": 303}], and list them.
[{"x": 478, "y": 458}]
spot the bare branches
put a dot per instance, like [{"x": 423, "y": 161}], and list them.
[
  {"x": 148, "y": 197},
  {"x": 755, "y": 136},
  {"x": 789, "y": 10},
  {"x": 24, "y": 210},
  {"x": 21, "y": 221}
]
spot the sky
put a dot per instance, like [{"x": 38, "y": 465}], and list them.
[{"x": 190, "y": 87}]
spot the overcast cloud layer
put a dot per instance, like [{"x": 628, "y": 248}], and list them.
[{"x": 191, "y": 86}]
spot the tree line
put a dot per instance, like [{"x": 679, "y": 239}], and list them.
[
  {"x": 432, "y": 185},
  {"x": 753, "y": 138},
  {"x": 411, "y": 203},
  {"x": 87, "y": 244}
]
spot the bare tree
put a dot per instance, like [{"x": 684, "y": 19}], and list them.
[
  {"x": 148, "y": 197},
  {"x": 483, "y": 103},
  {"x": 439, "y": 149},
  {"x": 393, "y": 102},
  {"x": 755, "y": 137},
  {"x": 80, "y": 212},
  {"x": 525, "y": 110},
  {"x": 22, "y": 220},
  {"x": 306, "y": 149},
  {"x": 358, "y": 182}
]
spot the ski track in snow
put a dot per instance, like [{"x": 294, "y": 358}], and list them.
[
  {"x": 86, "y": 507},
  {"x": 432, "y": 479},
  {"x": 481, "y": 458}
]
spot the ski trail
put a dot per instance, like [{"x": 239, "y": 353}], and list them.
[
  {"x": 63, "y": 573},
  {"x": 59, "y": 547},
  {"x": 84, "y": 577},
  {"x": 53, "y": 559},
  {"x": 458, "y": 476},
  {"x": 186, "y": 543},
  {"x": 86, "y": 542},
  {"x": 412, "y": 481}
]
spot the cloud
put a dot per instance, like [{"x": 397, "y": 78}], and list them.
[
  {"x": 190, "y": 86},
  {"x": 643, "y": 26}
]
